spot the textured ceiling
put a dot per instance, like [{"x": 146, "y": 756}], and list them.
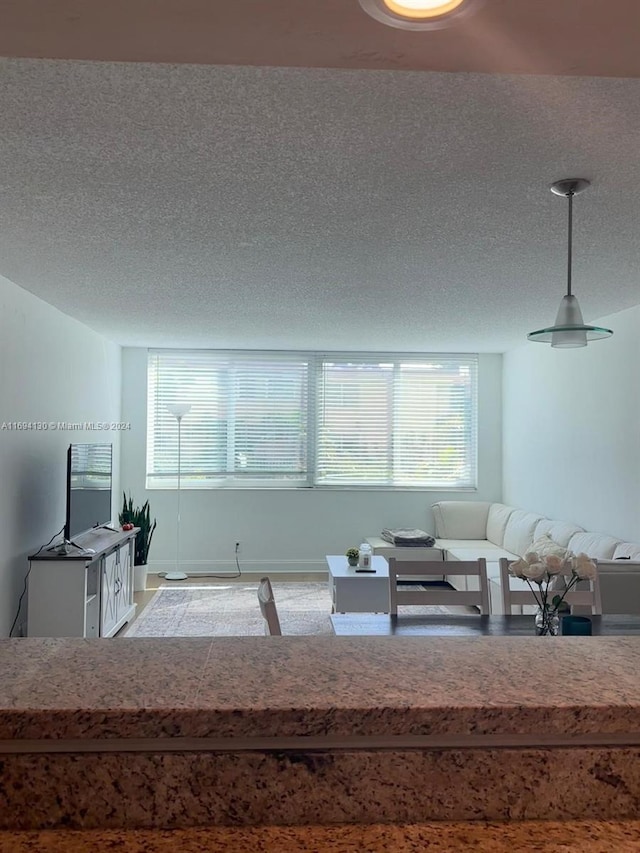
[{"x": 236, "y": 206}]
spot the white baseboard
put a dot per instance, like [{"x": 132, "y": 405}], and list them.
[{"x": 225, "y": 567}]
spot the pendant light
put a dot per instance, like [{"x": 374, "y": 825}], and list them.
[{"x": 569, "y": 329}]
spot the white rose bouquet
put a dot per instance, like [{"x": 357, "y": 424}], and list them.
[{"x": 542, "y": 571}]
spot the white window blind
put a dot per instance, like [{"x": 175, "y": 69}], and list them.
[
  {"x": 313, "y": 419},
  {"x": 398, "y": 422},
  {"x": 248, "y": 418},
  {"x": 90, "y": 466}
]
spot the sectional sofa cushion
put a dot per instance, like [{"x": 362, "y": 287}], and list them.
[
  {"x": 594, "y": 544},
  {"x": 461, "y": 519},
  {"x": 497, "y": 522},
  {"x": 560, "y": 531},
  {"x": 468, "y": 551},
  {"x": 518, "y": 534},
  {"x": 468, "y": 545}
]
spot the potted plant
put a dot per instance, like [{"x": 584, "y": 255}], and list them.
[
  {"x": 139, "y": 517},
  {"x": 352, "y": 555}
]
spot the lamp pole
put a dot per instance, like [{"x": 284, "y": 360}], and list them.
[{"x": 178, "y": 411}]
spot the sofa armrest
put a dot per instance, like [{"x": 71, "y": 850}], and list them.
[{"x": 461, "y": 519}]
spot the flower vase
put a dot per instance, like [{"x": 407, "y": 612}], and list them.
[{"x": 547, "y": 622}]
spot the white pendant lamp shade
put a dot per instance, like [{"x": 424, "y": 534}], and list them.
[
  {"x": 569, "y": 330},
  {"x": 568, "y": 322}
]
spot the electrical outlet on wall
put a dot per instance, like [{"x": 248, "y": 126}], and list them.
[{"x": 238, "y": 547}]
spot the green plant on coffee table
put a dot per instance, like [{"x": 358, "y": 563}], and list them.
[
  {"x": 139, "y": 517},
  {"x": 352, "y": 555}
]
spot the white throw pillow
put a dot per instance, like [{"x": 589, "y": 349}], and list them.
[{"x": 544, "y": 546}]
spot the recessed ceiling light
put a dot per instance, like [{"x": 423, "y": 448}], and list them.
[
  {"x": 416, "y": 14},
  {"x": 422, "y": 8}
]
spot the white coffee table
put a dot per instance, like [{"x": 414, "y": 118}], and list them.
[{"x": 358, "y": 592}]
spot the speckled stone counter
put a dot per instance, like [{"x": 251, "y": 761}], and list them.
[{"x": 318, "y": 730}]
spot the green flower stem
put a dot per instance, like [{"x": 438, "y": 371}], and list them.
[
  {"x": 574, "y": 580},
  {"x": 542, "y": 602},
  {"x": 538, "y": 601}
]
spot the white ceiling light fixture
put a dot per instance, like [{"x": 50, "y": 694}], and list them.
[
  {"x": 569, "y": 329},
  {"x": 417, "y": 14}
]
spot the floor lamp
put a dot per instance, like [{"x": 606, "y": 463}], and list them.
[{"x": 178, "y": 410}]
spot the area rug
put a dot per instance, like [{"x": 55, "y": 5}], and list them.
[{"x": 232, "y": 610}]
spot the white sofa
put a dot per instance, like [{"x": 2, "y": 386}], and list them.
[{"x": 466, "y": 530}]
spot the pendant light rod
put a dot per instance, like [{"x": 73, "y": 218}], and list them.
[
  {"x": 570, "y": 240},
  {"x": 569, "y": 187}
]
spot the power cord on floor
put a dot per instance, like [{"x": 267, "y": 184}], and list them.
[
  {"x": 26, "y": 578},
  {"x": 218, "y": 577}
]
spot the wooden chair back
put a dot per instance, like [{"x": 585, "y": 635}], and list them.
[
  {"x": 413, "y": 570},
  {"x": 268, "y": 607},
  {"x": 579, "y": 597}
]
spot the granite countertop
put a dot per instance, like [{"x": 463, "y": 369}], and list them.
[
  {"x": 342, "y": 686},
  {"x": 477, "y": 836}
]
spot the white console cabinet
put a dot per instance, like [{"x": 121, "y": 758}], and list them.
[{"x": 87, "y": 592}]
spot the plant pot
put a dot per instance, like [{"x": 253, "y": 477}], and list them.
[
  {"x": 353, "y": 561},
  {"x": 140, "y": 578}
]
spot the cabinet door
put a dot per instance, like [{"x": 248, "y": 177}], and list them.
[
  {"x": 123, "y": 580},
  {"x": 110, "y": 588},
  {"x": 92, "y": 599},
  {"x": 57, "y": 592}
]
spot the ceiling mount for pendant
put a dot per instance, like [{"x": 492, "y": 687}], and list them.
[
  {"x": 569, "y": 186},
  {"x": 569, "y": 329}
]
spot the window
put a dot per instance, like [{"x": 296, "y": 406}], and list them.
[
  {"x": 312, "y": 420},
  {"x": 90, "y": 466}
]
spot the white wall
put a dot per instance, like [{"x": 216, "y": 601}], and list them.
[
  {"x": 572, "y": 430},
  {"x": 286, "y": 530},
  {"x": 52, "y": 368}
]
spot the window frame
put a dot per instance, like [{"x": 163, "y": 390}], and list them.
[{"x": 316, "y": 359}]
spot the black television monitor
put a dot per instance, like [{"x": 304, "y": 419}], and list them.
[{"x": 89, "y": 481}]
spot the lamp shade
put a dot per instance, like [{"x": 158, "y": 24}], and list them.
[
  {"x": 179, "y": 410},
  {"x": 569, "y": 329}
]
